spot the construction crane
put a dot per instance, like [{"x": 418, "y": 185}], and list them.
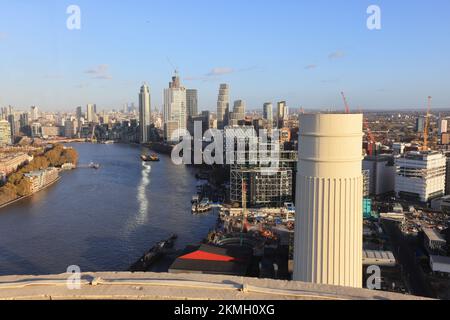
[
  {"x": 347, "y": 108},
  {"x": 244, "y": 210},
  {"x": 427, "y": 124},
  {"x": 371, "y": 141}
]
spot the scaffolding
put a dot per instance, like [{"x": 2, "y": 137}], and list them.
[
  {"x": 262, "y": 166},
  {"x": 266, "y": 187}
]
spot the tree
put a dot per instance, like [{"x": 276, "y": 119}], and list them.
[{"x": 23, "y": 188}]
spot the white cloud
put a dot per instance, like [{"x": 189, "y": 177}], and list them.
[{"x": 99, "y": 72}]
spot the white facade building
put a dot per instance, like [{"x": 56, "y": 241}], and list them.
[
  {"x": 421, "y": 175},
  {"x": 90, "y": 113},
  {"x": 144, "y": 113},
  {"x": 175, "y": 109},
  {"x": 443, "y": 126},
  {"x": 328, "y": 236},
  {"x": 223, "y": 106}
]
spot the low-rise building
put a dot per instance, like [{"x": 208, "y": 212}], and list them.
[
  {"x": 378, "y": 258},
  {"x": 9, "y": 163},
  {"x": 434, "y": 241},
  {"x": 440, "y": 264},
  {"x": 51, "y": 131},
  {"x": 41, "y": 178}
]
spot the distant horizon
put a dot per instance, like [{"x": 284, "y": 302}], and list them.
[{"x": 260, "y": 110}]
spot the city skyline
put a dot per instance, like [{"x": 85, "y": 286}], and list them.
[{"x": 306, "y": 58}]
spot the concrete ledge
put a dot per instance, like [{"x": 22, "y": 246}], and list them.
[{"x": 159, "y": 286}]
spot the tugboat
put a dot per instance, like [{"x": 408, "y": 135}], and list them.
[{"x": 152, "y": 255}]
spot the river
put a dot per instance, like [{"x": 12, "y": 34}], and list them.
[{"x": 101, "y": 220}]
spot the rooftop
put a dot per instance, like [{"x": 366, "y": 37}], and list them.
[
  {"x": 157, "y": 286},
  {"x": 433, "y": 235}
]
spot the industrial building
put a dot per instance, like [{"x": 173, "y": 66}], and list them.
[
  {"x": 329, "y": 220},
  {"x": 420, "y": 175}
]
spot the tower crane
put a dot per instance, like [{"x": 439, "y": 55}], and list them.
[
  {"x": 427, "y": 124},
  {"x": 372, "y": 141},
  {"x": 371, "y": 138},
  {"x": 244, "y": 210},
  {"x": 347, "y": 108}
]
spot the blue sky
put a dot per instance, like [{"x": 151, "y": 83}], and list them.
[{"x": 304, "y": 52}]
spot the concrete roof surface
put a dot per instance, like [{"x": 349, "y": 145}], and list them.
[{"x": 157, "y": 286}]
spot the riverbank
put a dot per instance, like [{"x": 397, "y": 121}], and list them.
[{"x": 4, "y": 205}]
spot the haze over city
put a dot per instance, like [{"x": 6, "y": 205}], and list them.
[{"x": 298, "y": 51}]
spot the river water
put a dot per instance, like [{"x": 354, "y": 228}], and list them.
[{"x": 101, "y": 220}]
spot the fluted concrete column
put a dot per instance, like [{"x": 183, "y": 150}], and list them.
[{"x": 328, "y": 230}]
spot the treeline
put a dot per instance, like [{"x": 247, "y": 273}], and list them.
[{"x": 16, "y": 186}]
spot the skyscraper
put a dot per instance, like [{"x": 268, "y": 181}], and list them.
[
  {"x": 79, "y": 113},
  {"x": 328, "y": 230},
  {"x": 5, "y": 133},
  {"x": 282, "y": 113},
  {"x": 267, "y": 113},
  {"x": 174, "y": 109},
  {"x": 34, "y": 113},
  {"x": 223, "y": 105},
  {"x": 12, "y": 125},
  {"x": 191, "y": 103},
  {"x": 24, "y": 122},
  {"x": 238, "y": 113},
  {"x": 90, "y": 112},
  {"x": 144, "y": 113}
]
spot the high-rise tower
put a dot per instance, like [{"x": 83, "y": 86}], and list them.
[
  {"x": 191, "y": 103},
  {"x": 268, "y": 113},
  {"x": 144, "y": 113},
  {"x": 328, "y": 232},
  {"x": 223, "y": 105},
  {"x": 175, "y": 117},
  {"x": 90, "y": 113}
]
